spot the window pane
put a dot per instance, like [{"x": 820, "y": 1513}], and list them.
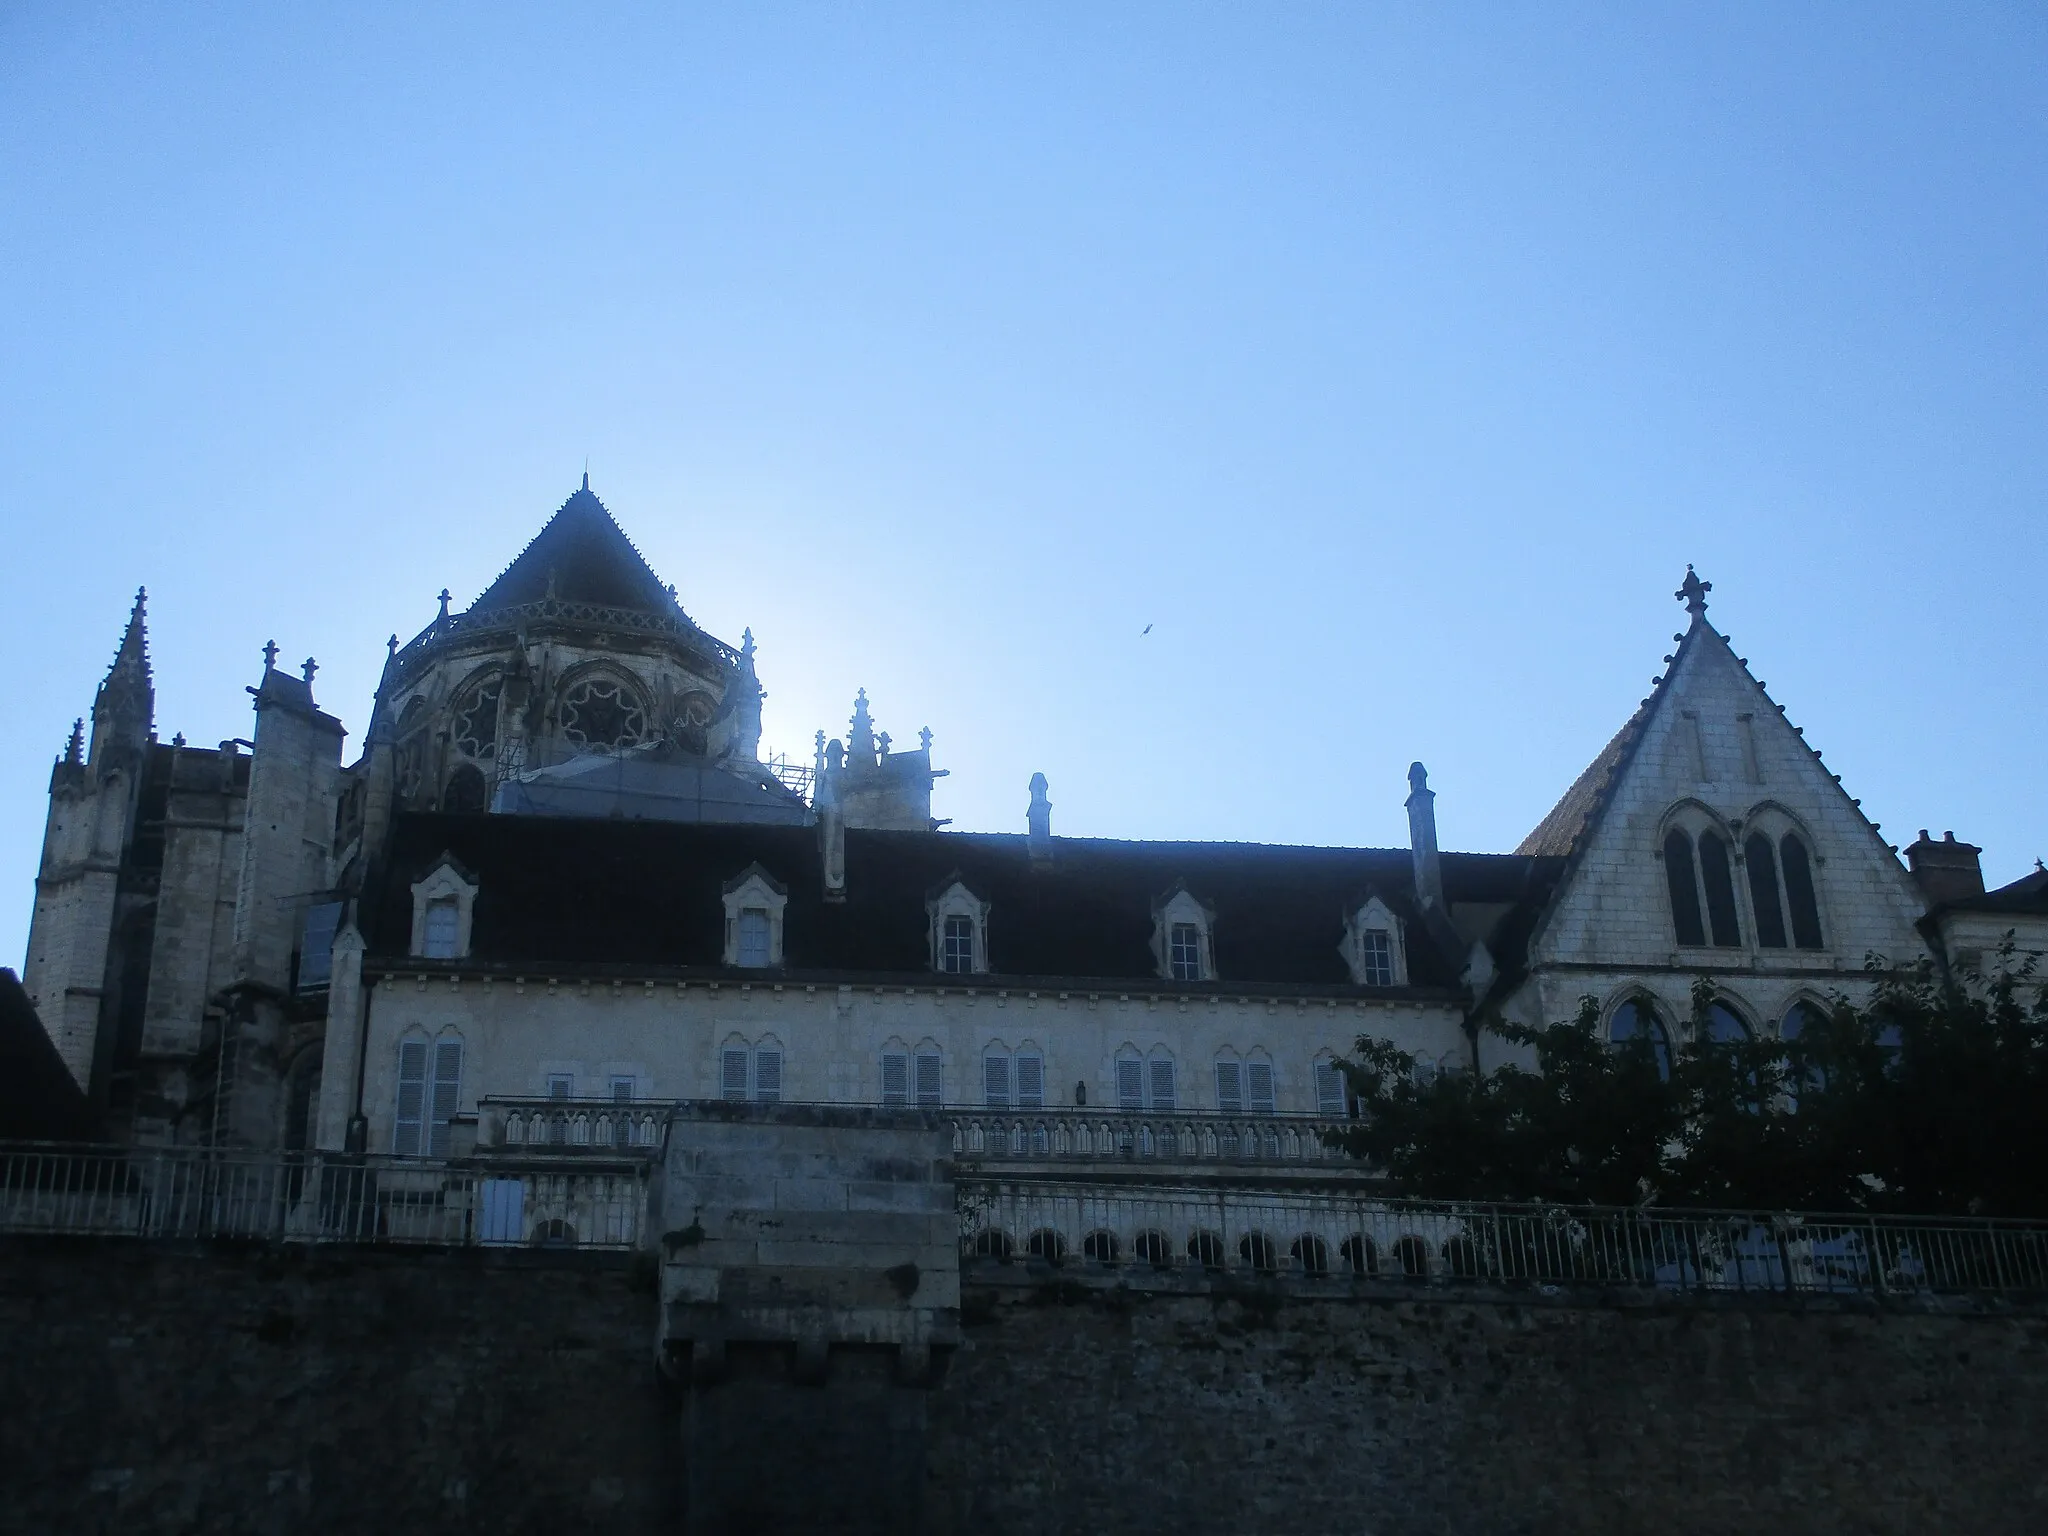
[
  {"x": 1376, "y": 956},
  {"x": 1685, "y": 892},
  {"x": 1130, "y": 1083},
  {"x": 1763, "y": 891},
  {"x": 561, "y": 1085},
  {"x": 316, "y": 945},
  {"x": 1720, "y": 890},
  {"x": 957, "y": 947},
  {"x": 1259, "y": 1080},
  {"x": 1799, "y": 893},
  {"x": 444, "y": 923},
  {"x": 1186, "y": 953},
  {"x": 929, "y": 1081},
  {"x": 768, "y": 1076},
  {"x": 895, "y": 1079},
  {"x": 1162, "y": 1082},
  {"x": 753, "y": 950},
  {"x": 1030, "y": 1082},
  {"x": 1724, "y": 1026},
  {"x": 732, "y": 1074},
  {"x": 995, "y": 1080},
  {"x": 1229, "y": 1086}
]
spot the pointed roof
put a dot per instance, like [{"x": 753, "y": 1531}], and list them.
[
  {"x": 580, "y": 556},
  {"x": 128, "y": 684}
]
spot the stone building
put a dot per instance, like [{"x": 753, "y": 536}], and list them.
[{"x": 558, "y": 872}]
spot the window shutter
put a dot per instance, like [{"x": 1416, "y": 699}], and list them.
[
  {"x": 1030, "y": 1082},
  {"x": 412, "y": 1096},
  {"x": 732, "y": 1074},
  {"x": 995, "y": 1080},
  {"x": 1130, "y": 1083},
  {"x": 895, "y": 1079},
  {"x": 768, "y": 1076},
  {"x": 1329, "y": 1090},
  {"x": 447, "y": 1090},
  {"x": 1259, "y": 1078},
  {"x": 930, "y": 1083},
  {"x": 1162, "y": 1082},
  {"x": 1229, "y": 1090}
]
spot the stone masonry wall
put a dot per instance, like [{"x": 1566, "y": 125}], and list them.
[{"x": 166, "y": 1389}]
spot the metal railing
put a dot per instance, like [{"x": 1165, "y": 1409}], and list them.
[
  {"x": 317, "y": 1198},
  {"x": 1154, "y": 1136},
  {"x": 1340, "y": 1235}
]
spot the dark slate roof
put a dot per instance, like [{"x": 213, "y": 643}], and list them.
[
  {"x": 2025, "y": 897},
  {"x": 588, "y": 558},
  {"x": 39, "y": 1099},
  {"x": 1558, "y": 833},
  {"x": 581, "y": 892}
]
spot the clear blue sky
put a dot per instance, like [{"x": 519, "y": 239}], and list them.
[{"x": 1390, "y": 362}]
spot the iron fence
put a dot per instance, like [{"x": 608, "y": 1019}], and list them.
[
  {"x": 1344, "y": 1235},
  {"x": 317, "y": 1198}
]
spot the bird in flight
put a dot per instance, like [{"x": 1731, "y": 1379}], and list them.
[{"x": 1145, "y": 631}]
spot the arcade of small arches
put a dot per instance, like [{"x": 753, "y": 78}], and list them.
[{"x": 1358, "y": 1255}]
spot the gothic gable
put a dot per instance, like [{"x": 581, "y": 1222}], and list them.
[{"x": 1708, "y": 834}]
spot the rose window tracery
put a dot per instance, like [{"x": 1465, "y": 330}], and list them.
[
  {"x": 476, "y": 721},
  {"x": 602, "y": 714}
]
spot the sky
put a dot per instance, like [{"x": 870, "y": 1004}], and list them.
[{"x": 1389, "y": 362}]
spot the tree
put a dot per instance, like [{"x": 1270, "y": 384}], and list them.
[{"x": 1932, "y": 1097}]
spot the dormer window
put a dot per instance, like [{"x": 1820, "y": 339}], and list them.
[
  {"x": 1373, "y": 947},
  {"x": 443, "y": 909},
  {"x": 959, "y": 929},
  {"x": 1183, "y": 937},
  {"x": 754, "y": 901}
]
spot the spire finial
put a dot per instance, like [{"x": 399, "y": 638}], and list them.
[
  {"x": 444, "y": 603},
  {"x": 270, "y": 655},
  {"x": 924, "y": 739},
  {"x": 74, "y": 750},
  {"x": 586, "y": 474},
  {"x": 307, "y": 669},
  {"x": 1693, "y": 593},
  {"x": 391, "y": 645}
]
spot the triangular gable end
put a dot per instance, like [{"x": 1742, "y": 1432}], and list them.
[{"x": 1709, "y": 735}]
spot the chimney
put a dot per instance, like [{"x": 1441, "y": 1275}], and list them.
[
  {"x": 1948, "y": 870},
  {"x": 831, "y": 816},
  {"x": 1429, "y": 875},
  {"x": 1038, "y": 821}
]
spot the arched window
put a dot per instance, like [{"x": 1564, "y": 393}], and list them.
[
  {"x": 1330, "y": 1095},
  {"x": 476, "y": 719},
  {"x": 466, "y": 791},
  {"x": 1636, "y": 1019},
  {"x": 1159, "y": 1085},
  {"x": 1229, "y": 1084},
  {"x": 1685, "y": 893},
  {"x": 1715, "y": 873},
  {"x": 750, "y": 1071},
  {"x": 1762, "y": 863},
  {"x": 1100, "y": 1245},
  {"x": 1799, "y": 892},
  {"x": 1311, "y": 1253},
  {"x": 1725, "y": 1026},
  {"x": 1800, "y": 1029},
  {"x": 1781, "y": 887},
  {"x": 1702, "y": 886}
]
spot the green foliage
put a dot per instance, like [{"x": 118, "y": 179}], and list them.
[{"x": 1931, "y": 1097}]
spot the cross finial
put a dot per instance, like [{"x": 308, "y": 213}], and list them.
[
  {"x": 1693, "y": 593},
  {"x": 444, "y": 602},
  {"x": 391, "y": 645},
  {"x": 924, "y": 738},
  {"x": 269, "y": 655},
  {"x": 309, "y": 667}
]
